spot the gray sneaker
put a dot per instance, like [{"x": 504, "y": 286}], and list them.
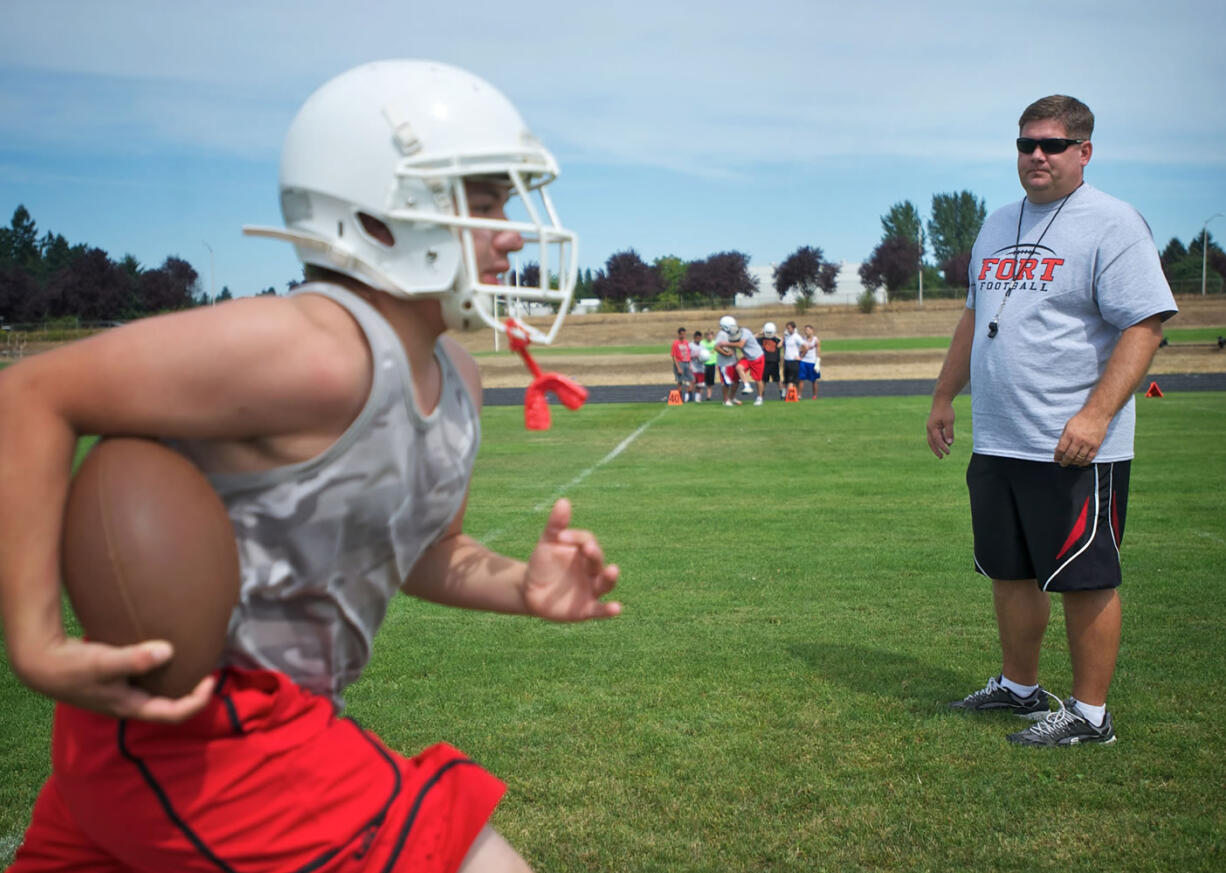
[
  {"x": 1065, "y": 727},
  {"x": 995, "y": 697}
]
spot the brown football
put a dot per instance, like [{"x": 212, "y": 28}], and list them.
[{"x": 148, "y": 552}]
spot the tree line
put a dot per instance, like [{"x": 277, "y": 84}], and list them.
[
  {"x": 45, "y": 278},
  {"x": 896, "y": 265},
  {"x": 1200, "y": 261},
  {"x": 48, "y": 279}
]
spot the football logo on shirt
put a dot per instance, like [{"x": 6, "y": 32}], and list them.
[{"x": 1019, "y": 267}]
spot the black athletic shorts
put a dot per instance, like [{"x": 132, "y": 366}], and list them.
[
  {"x": 1037, "y": 520},
  {"x": 791, "y": 369},
  {"x": 770, "y": 371}
]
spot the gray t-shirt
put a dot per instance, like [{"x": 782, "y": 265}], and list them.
[{"x": 1094, "y": 273}]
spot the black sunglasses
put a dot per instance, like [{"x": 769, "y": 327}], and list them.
[{"x": 1052, "y": 145}]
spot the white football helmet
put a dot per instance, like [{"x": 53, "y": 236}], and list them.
[
  {"x": 768, "y": 329},
  {"x": 396, "y": 140},
  {"x": 728, "y": 325}
]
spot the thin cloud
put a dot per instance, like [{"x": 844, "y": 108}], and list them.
[{"x": 759, "y": 126}]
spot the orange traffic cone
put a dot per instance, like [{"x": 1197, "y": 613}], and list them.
[
  {"x": 674, "y": 397},
  {"x": 1154, "y": 390},
  {"x": 792, "y": 397}
]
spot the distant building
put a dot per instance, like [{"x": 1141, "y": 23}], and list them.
[
  {"x": 848, "y": 288},
  {"x": 585, "y": 305}
]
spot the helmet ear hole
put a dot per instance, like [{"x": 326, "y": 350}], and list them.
[{"x": 377, "y": 230}]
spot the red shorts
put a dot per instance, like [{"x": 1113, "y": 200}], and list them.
[
  {"x": 755, "y": 366},
  {"x": 265, "y": 778}
]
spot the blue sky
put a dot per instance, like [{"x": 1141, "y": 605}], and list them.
[{"x": 682, "y": 128}]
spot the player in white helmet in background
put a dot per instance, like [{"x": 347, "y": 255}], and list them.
[
  {"x": 772, "y": 349},
  {"x": 726, "y": 361},
  {"x": 339, "y": 425},
  {"x": 738, "y": 340}
]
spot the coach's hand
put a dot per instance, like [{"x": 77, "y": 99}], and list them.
[
  {"x": 95, "y": 676},
  {"x": 941, "y": 427},
  {"x": 1081, "y": 439},
  {"x": 567, "y": 574}
]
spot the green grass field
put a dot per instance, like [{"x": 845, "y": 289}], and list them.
[{"x": 799, "y": 606}]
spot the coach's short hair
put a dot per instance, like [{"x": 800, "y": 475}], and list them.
[{"x": 1076, "y": 117}]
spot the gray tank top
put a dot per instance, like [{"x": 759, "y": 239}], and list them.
[{"x": 324, "y": 545}]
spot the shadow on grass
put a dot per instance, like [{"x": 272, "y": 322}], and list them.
[{"x": 921, "y": 687}]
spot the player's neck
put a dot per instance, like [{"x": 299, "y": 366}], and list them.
[{"x": 418, "y": 322}]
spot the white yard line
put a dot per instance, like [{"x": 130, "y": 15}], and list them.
[
  {"x": 561, "y": 492},
  {"x": 8, "y": 847}
]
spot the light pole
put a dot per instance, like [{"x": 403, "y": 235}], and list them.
[
  {"x": 1204, "y": 250},
  {"x": 212, "y": 276}
]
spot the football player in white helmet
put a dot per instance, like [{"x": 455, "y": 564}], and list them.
[
  {"x": 340, "y": 426},
  {"x": 772, "y": 348},
  {"x": 726, "y": 359},
  {"x": 735, "y": 340}
]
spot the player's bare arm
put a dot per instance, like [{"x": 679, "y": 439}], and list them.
[
  {"x": 267, "y": 385},
  {"x": 955, "y": 373},
  {"x": 1129, "y": 362},
  {"x": 562, "y": 581}
]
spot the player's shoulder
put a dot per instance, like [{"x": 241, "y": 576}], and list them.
[{"x": 319, "y": 312}]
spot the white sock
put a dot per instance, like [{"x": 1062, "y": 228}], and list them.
[
  {"x": 1093, "y": 714},
  {"x": 1020, "y": 691}
]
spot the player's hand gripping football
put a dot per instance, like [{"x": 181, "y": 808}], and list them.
[
  {"x": 95, "y": 676},
  {"x": 567, "y": 574}
]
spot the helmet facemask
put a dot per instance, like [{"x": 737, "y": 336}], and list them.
[{"x": 532, "y": 217}]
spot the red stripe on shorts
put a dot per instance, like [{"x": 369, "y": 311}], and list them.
[{"x": 1078, "y": 529}]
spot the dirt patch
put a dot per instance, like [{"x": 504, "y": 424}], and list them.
[
  {"x": 506, "y": 371},
  {"x": 935, "y": 318}
]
